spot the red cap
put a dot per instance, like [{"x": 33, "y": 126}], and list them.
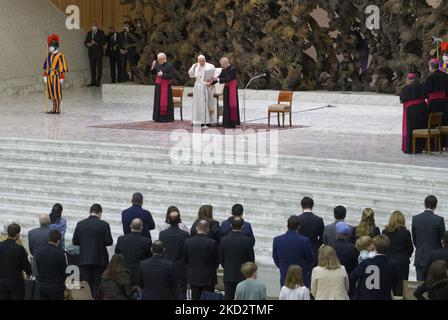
[{"x": 53, "y": 37}]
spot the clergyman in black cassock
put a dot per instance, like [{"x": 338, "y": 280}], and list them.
[
  {"x": 436, "y": 89},
  {"x": 228, "y": 76},
  {"x": 163, "y": 96},
  {"x": 415, "y": 112}
]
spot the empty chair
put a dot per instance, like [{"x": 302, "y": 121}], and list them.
[
  {"x": 284, "y": 105},
  {"x": 433, "y": 132},
  {"x": 178, "y": 98}
]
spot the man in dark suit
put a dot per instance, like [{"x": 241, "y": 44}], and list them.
[
  {"x": 93, "y": 236},
  {"x": 440, "y": 254},
  {"x": 311, "y": 226},
  {"x": 235, "y": 250},
  {"x": 134, "y": 247},
  {"x": 38, "y": 239},
  {"x": 113, "y": 53},
  {"x": 237, "y": 212},
  {"x": 292, "y": 248},
  {"x": 427, "y": 234},
  {"x": 13, "y": 262},
  {"x": 345, "y": 250},
  {"x": 329, "y": 238},
  {"x": 157, "y": 277},
  {"x": 127, "y": 43},
  {"x": 173, "y": 240},
  {"x": 52, "y": 265},
  {"x": 375, "y": 278},
  {"x": 137, "y": 212},
  {"x": 202, "y": 261},
  {"x": 95, "y": 41}
]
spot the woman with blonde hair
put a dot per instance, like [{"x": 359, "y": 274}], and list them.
[
  {"x": 294, "y": 288},
  {"x": 401, "y": 247},
  {"x": 329, "y": 280},
  {"x": 367, "y": 227}
]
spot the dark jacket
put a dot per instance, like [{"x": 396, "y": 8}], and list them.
[
  {"x": 214, "y": 230},
  {"x": 51, "y": 265},
  {"x": 111, "y": 44},
  {"x": 427, "y": 233},
  {"x": 439, "y": 291},
  {"x": 330, "y": 234},
  {"x": 173, "y": 240},
  {"x": 137, "y": 212},
  {"x": 347, "y": 254},
  {"x": 312, "y": 227},
  {"x": 235, "y": 249},
  {"x": 292, "y": 248},
  {"x": 93, "y": 236},
  {"x": 157, "y": 278},
  {"x": 135, "y": 248},
  {"x": 127, "y": 40},
  {"x": 100, "y": 40},
  {"x": 362, "y": 276},
  {"x": 401, "y": 247},
  {"x": 121, "y": 288},
  {"x": 13, "y": 262},
  {"x": 226, "y": 228},
  {"x": 441, "y": 254},
  {"x": 37, "y": 239},
  {"x": 201, "y": 259}
]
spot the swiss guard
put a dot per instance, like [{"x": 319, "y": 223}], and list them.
[{"x": 55, "y": 67}]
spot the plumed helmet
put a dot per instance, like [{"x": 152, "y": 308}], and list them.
[{"x": 53, "y": 41}]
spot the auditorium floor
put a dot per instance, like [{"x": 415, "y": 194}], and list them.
[{"x": 350, "y": 131}]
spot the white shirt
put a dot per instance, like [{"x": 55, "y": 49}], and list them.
[
  {"x": 300, "y": 293},
  {"x": 199, "y": 72}
]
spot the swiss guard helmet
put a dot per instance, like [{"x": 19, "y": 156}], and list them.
[{"x": 53, "y": 41}]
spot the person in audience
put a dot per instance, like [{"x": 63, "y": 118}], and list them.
[
  {"x": 202, "y": 261},
  {"x": 294, "y": 288},
  {"x": 251, "y": 288},
  {"x": 376, "y": 277},
  {"x": 436, "y": 285},
  {"x": 440, "y": 254},
  {"x": 329, "y": 280},
  {"x": 206, "y": 213},
  {"x": 116, "y": 281},
  {"x": 235, "y": 250},
  {"x": 427, "y": 233},
  {"x": 345, "y": 250},
  {"x": 57, "y": 222},
  {"x": 367, "y": 226},
  {"x": 167, "y": 225},
  {"x": 134, "y": 247},
  {"x": 311, "y": 226},
  {"x": 293, "y": 249},
  {"x": 173, "y": 240},
  {"x": 38, "y": 239},
  {"x": 13, "y": 263},
  {"x": 93, "y": 236},
  {"x": 157, "y": 276},
  {"x": 51, "y": 266},
  {"x": 137, "y": 212},
  {"x": 340, "y": 213},
  {"x": 365, "y": 247},
  {"x": 226, "y": 226},
  {"x": 401, "y": 247}
]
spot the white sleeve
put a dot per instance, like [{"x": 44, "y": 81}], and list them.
[{"x": 192, "y": 72}]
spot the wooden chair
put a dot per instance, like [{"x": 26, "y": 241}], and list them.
[
  {"x": 178, "y": 99},
  {"x": 444, "y": 132},
  {"x": 431, "y": 133},
  {"x": 284, "y": 105}
]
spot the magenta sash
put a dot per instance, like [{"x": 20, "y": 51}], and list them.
[
  {"x": 233, "y": 99},
  {"x": 439, "y": 95},
  {"x": 406, "y": 105},
  {"x": 164, "y": 85}
]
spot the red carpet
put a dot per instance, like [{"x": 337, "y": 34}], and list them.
[{"x": 185, "y": 125}]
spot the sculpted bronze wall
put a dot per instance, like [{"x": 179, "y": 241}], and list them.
[{"x": 276, "y": 37}]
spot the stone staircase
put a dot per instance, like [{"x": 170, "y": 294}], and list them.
[{"x": 34, "y": 174}]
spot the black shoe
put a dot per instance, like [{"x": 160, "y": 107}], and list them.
[
  {"x": 91, "y": 85},
  {"x": 51, "y": 112}
]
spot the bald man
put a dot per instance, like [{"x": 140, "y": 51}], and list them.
[
  {"x": 38, "y": 238},
  {"x": 228, "y": 76},
  {"x": 203, "y": 93},
  {"x": 134, "y": 247},
  {"x": 163, "y": 97}
]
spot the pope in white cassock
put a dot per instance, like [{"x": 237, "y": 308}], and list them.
[{"x": 203, "y": 94}]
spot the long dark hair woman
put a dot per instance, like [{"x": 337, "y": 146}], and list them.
[
  {"x": 57, "y": 222},
  {"x": 116, "y": 281},
  {"x": 206, "y": 213},
  {"x": 436, "y": 284}
]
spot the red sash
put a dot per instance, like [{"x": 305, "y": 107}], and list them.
[
  {"x": 164, "y": 85},
  {"x": 233, "y": 99},
  {"x": 439, "y": 95},
  {"x": 415, "y": 102}
]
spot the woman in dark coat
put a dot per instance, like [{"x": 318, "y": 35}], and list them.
[
  {"x": 206, "y": 213},
  {"x": 116, "y": 281}
]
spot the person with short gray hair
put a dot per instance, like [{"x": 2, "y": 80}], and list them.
[
  {"x": 38, "y": 238},
  {"x": 163, "y": 97}
]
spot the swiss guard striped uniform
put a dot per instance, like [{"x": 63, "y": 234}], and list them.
[{"x": 55, "y": 68}]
